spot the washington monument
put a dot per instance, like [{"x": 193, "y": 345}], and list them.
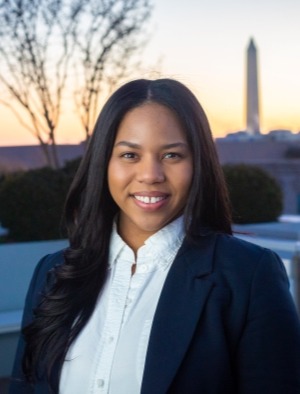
[{"x": 252, "y": 91}]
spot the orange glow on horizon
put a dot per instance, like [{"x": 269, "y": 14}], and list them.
[{"x": 70, "y": 130}]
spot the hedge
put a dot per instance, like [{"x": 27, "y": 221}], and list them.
[
  {"x": 31, "y": 203},
  {"x": 255, "y": 195}
]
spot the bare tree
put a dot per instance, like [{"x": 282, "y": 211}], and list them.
[
  {"x": 38, "y": 38},
  {"x": 109, "y": 37},
  {"x": 36, "y": 43}
]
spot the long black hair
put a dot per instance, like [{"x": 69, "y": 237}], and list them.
[{"x": 89, "y": 213}]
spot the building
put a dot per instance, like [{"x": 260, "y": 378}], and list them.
[{"x": 22, "y": 158}]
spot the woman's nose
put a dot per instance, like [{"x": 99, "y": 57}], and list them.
[{"x": 150, "y": 171}]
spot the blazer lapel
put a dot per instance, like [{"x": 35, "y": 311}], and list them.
[{"x": 181, "y": 302}]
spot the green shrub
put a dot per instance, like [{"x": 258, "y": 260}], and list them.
[
  {"x": 31, "y": 204},
  {"x": 255, "y": 196},
  {"x": 71, "y": 167}
]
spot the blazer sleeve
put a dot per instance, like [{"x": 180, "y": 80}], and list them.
[
  {"x": 268, "y": 358},
  {"x": 19, "y": 385}
]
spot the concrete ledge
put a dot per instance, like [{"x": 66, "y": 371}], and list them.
[{"x": 10, "y": 321}]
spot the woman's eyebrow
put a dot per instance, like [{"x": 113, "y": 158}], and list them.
[
  {"x": 129, "y": 144},
  {"x": 137, "y": 146}
]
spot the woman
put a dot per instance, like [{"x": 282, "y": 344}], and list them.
[{"x": 154, "y": 295}]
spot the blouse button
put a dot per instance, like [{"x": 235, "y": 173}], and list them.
[
  {"x": 143, "y": 268},
  {"x": 100, "y": 382}
]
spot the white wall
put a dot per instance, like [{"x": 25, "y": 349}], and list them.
[{"x": 17, "y": 262}]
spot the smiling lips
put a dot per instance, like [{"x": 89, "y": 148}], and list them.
[{"x": 149, "y": 200}]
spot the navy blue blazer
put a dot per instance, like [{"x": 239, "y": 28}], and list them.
[{"x": 225, "y": 323}]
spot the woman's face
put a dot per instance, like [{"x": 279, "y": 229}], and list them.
[{"x": 149, "y": 172}]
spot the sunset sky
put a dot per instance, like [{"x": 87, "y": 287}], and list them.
[{"x": 203, "y": 44}]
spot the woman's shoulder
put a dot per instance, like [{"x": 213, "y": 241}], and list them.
[
  {"x": 45, "y": 265},
  {"x": 235, "y": 244},
  {"x": 39, "y": 281},
  {"x": 231, "y": 253},
  {"x": 228, "y": 244},
  {"x": 50, "y": 261},
  {"x": 242, "y": 256}
]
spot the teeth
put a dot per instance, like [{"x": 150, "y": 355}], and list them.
[{"x": 148, "y": 200}]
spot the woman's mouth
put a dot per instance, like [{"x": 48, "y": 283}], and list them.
[
  {"x": 148, "y": 199},
  {"x": 150, "y": 202}
]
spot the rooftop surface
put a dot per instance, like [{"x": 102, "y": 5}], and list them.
[{"x": 287, "y": 228}]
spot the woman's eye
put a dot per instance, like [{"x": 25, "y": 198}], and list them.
[
  {"x": 172, "y": 155},
  {"x": 129, "y": 155}
]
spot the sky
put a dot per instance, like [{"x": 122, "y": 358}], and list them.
[{"x": 203, "y": 44}]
